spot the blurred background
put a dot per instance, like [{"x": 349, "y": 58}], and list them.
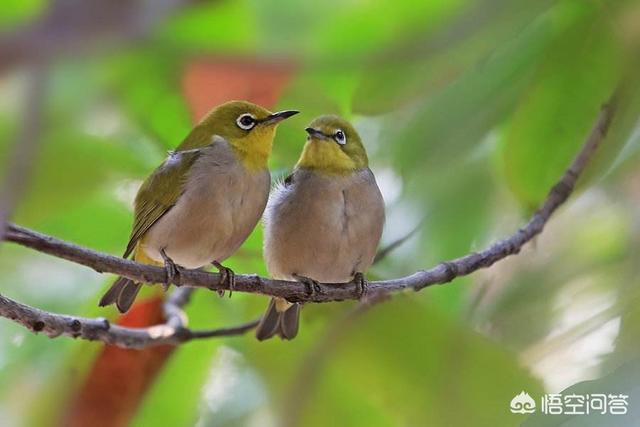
[{"x": 470, "y": 111}]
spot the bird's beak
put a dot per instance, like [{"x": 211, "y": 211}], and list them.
[
  {"x": 278, "y": 117},
  {"x": 315, "y": 133}
]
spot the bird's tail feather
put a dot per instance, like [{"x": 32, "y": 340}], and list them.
[
  {"x": 123, "y": 292},
  {"x": 283, "y": 322}
]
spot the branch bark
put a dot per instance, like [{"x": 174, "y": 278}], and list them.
[
  {"x": 173, "y": 331},
  {"x": 98, "y": 329}
]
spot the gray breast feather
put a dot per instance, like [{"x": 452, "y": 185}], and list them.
[
  {"x": 219, "y": 208},
  {"x": 323, "y": 227}
]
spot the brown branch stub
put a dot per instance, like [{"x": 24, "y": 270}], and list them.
[{"x": 175, "y": 331}]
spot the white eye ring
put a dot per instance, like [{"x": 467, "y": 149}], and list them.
[
  {"x": 340, "y": 137},
  {"x": 246, "y": 121}
]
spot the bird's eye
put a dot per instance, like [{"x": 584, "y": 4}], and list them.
[
  {"x": 246, "y": 121},
  {"x": 340, "y": 137}
]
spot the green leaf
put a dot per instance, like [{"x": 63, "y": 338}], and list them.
[
  {"x": 227, "y": 26},
  {"x": 450, "y": 123},
  {"x": 561, "y": 104},
  {"x": 72, "y": 166},
  {"x": 400, "y": 363},
  {"x": 15, "y": 12},
  {"x": 417, "y": 67},
  {"x": 174, "y": 398},
  {"x": 340, "y": 33},
  {"x": 147, "y": 86}
]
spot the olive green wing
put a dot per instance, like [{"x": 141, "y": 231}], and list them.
[{"x": 160, "y": 192}]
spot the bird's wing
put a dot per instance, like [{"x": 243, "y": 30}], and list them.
[{"x": 160, "y": 192}]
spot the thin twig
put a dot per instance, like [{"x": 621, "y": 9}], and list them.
[
  {"x": 293, "y": 291},
  {"x": 172, "y": 307},
  {"x": 384, "y": 252},
  {"x": 100, "y": 329}
]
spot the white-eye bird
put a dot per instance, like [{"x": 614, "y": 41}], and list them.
[
  {"x": 324, "y": 222},
  {"x": 200, "y": 205}
]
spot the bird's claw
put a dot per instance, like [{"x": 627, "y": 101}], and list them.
[
  {"x": 311, "y": 284},
  {"x": 361, "y": 285},
  {"x": 227, "y": 276},
  {"x": 170, "y": 268}
]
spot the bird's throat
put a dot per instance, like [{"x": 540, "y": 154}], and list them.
[
  {"x": 254, "y": 150},
  {"x": 326, "y": 157}
]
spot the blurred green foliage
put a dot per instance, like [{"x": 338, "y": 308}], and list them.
[{"x": 470, "y": 112}]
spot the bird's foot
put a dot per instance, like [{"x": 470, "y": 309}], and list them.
[
  {"x": 170, "y": 268},
  {"x": 227, "y": 276},
  {"x": 361, "y": 284},
  {"x": 312, "y": 285}
]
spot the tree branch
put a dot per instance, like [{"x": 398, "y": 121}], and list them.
[
  {"x": 173, "y": 332},
  {"x": 77, "y": 27},
  {"x": 98, "y": 329}
]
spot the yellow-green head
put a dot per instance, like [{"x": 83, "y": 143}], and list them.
[
  {"x": 249, "y": 128},
  {"x": 333, "y": 147}
]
